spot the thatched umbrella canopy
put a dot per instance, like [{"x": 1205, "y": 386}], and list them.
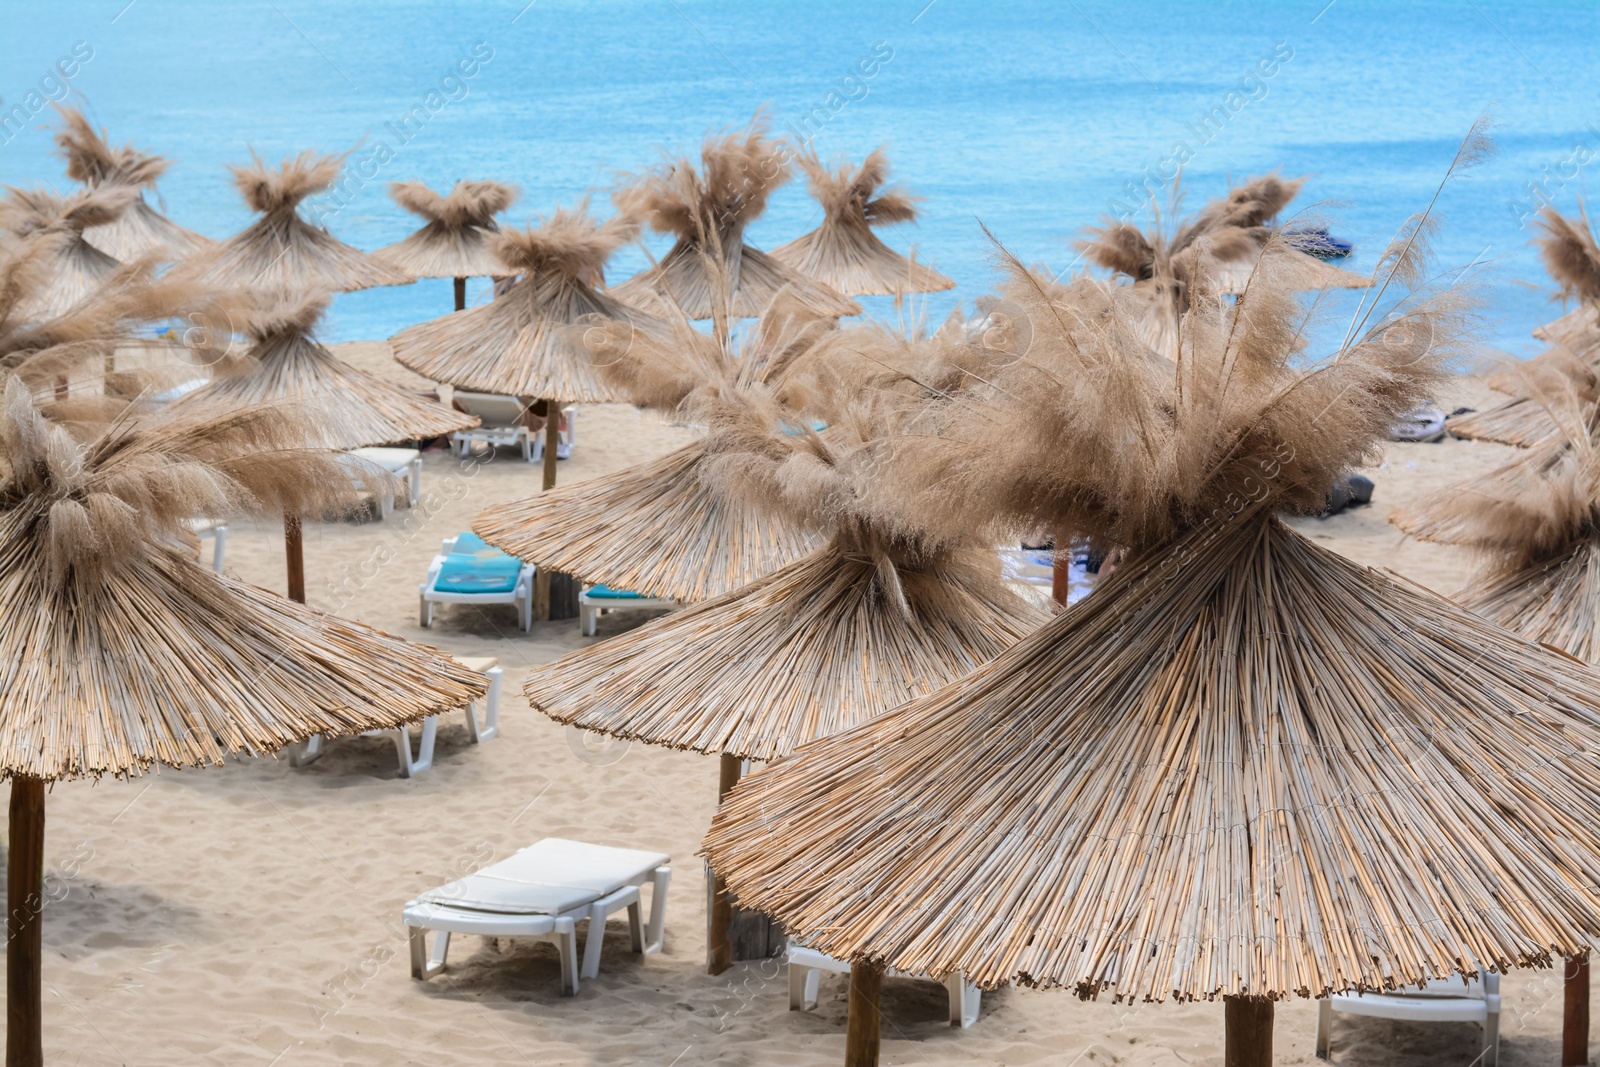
[
  {"x": 455, "y": 241},
  {"x": 281, "y": 253},
  {"x": 710, "y": 267},
  {"x": 285, "y": 363},
  {"x": 529, "y": 341},
  {"x": 1571, "y": 255},
  {"x": 1246, "y": 767},
  {"x": 664, "y": 527},
  {"x": 123, "y": 653},
  {"x": 71, "y": 268},
  {"x": 1213, "y": 251},
  {"x": 142, "y": 230},
  {"x": 657, "y": 528},
  {"x": 843, "y": 252}
]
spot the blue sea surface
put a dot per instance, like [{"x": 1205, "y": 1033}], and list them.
[{"x": 1032, "y": 119}]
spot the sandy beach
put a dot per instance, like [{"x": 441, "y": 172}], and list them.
[{"x": 250, "y": 915}]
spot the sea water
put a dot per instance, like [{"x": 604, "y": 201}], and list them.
[{"x": 1034, "y": 120}]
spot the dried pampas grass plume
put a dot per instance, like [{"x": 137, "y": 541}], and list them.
[
  {"x": 1567, "y": 246},
  {"x": 469, "y": 203}
]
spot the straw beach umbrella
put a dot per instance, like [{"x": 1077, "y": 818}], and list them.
[
  {"x": 353, "y": 409},
  {"x": 1212, "y": 251},
  {"x": 1572, "y": 256},
  {"x": 281, "y": 253},
  {"x": 869, "y": 619},
  {"x": 1245, "y": 768},
  {"x": 141, "y": 230},
  {"x": 707, "y": 211},
  {"x": 529, "y": 342},
  {"x": 70, "y": 268},
  {"x": 843, "y": 252},
  {"x": 455, "y": 241},
  {"x": 663, "y": 527},
  {"x": 1535, "y": 524},
  {"x": 122, "y": 652}
]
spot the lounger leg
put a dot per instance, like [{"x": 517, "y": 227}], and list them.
[
  {"x": 306, "y": 752},
  {"x": 491, "y": 710},
  {"x": 1324, "y": 1026},
  {"x": 219, "y": 542},
  {"x": 635, "y": 928},
  {"x": 424, "y": 759},
  {"x": 797, "y": 986},
  {"x": 593, "y": 942},
  {"x": 655, "y": 932},
  {"x": 956, "y": 987},
  {"x": 416, "y": 481},
  {"x": 423, "y": 968},
  {"x": 567, "y": 945},
  {"x": 1491, "y": 1039},
  {"x": 425, "y": 613},
  {"x": 591, "y": 620}
]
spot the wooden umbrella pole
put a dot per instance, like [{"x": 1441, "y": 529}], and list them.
[
  {"x": 861, "y": 1036},
  {"x": 461, "y": 294},
  {"x": 719, "y": 922},
  {"x": 552, "y": 438},
  {"x": 1247, "y": 1041},
  {"x": 1575, "y": 1013},
  {"x": 294, "y": 553},
  {"x": 1060, "y": 570},
  {"x": 24, "y": 957}
]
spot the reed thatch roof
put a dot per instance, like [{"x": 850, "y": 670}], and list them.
[
  {"x": 657, "y": 528},
  {"x": 121, "y": 651},
  {"x": 1214, "y": 251},
  {"x": 843, "y": 252},
  {"x": 807, "y": 651},
  {"x": 1570, "y": 252},
  {"x": 141, "y": 230},
  {"x": 1541, "y": 389},
  {"x": 67, "y": 268},
  {"x": 1535, "y": 524},
  {"x": 281, "y": 254},
  {"x": 1245, "y": 766},
  {"x": 707, "y": 210},
  {"x": 529, "y": 341},
  {"x": 1283, "y": 775},
  {"x": 284, "y": 362},
  {"x": 455, "y": 242}
]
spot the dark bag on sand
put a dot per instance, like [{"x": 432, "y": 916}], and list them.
[{"x": 1353, "y": 490}]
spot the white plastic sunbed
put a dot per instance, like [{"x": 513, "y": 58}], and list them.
[
  {"x": 542, "y": 892},
  {"x": 596, "y": 600},
  {"x": 501, "y": 419},
  {"x": 807, "y": 964},
  {"x": 520, "y": 593},
  {"x": 218, "y": 532},
  {"x": 1452, "y": 1000},
  {"x": 310, "y": 750},
  {"x": 402, "y": 463}
]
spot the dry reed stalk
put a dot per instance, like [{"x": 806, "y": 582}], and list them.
[
  {"x": 1264, "y": 771},
  {"x": 843, "y": 252},
  {"x": 455, "y": 241},
  {"x": 68, "y": 269},
  {"x": 142, "y": 230}
]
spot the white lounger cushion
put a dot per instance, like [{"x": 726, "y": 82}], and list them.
[{"x": 548, "y": 878}]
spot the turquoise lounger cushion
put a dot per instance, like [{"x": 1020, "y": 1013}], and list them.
[
  {"x": 605, "y": 592},
  {"x": 474, "y": 567}
]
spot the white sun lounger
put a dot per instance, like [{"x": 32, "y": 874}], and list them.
[
  {"x": 597, "y": 600},
  {"x": 805, "y": 973},
  {"x": 1451, "y": 1000},
  {"x": 402, "y": 463},
  {"x": 311, "y": 749},
  {"x": 501, "y": 419},
  {"x": 520, "y": 595},
  {"x": 542, "y": 892}
]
